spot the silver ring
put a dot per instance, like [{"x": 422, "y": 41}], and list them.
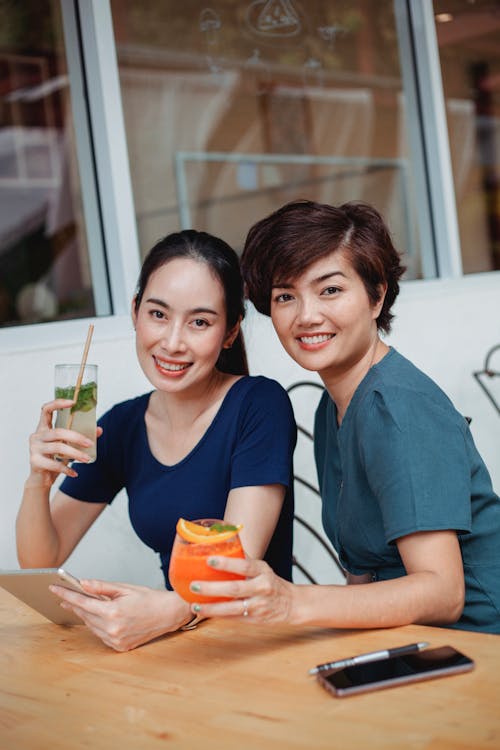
[{"x": 245, "y": 608}]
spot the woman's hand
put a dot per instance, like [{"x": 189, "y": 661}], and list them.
[
  {"x": 263, "y": 597},
  {"x": 432, "y": 592},
  {"x": 128, "y": 615},
  {"x": 47, "y": 442}
]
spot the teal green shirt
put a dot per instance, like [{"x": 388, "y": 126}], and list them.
[{"x": 403, "y": 461}]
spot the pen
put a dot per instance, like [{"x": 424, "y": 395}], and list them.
[{"x": 372, "y": 656}]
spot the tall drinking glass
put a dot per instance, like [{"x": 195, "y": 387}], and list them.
[
  {"x": 191, "y": 550},
  {"x": 81, "y": 417}
]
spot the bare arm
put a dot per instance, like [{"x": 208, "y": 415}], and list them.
[
  {"x": 134, "y": 615},
  {"x": 432, "y": 592},
  {"x": 48, "y": 531},
  {"x": 258, "y": 509}
]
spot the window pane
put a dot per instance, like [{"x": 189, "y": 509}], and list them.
[
  {"x": 44, "y": 265},
  {"x": 469, "y": 46},
  {"x": 234, "y": 109}
]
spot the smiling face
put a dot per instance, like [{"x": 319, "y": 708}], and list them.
[
  {"x": 181, "y": 325},
  {"x": 324, "y": 318}
]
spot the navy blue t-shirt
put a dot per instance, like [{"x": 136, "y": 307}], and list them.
[{"x": 250, "y": 442}]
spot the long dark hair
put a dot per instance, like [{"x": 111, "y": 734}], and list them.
[
  {"x": 283, "y": 245},
  {"x": 224, "y": 264}
]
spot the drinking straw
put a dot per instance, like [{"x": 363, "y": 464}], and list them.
[{"x": 80, "y": 374}]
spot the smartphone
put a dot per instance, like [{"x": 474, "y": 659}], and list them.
[
  {"x": 31, "y": 586},
  {"x": 396, "y": 670},
  {"x": 70, "y": 582}
]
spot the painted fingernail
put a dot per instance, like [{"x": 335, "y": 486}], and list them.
[
  {"x": 196, "y": 607},
  {"x": 213, "y": 562},
  {"x": 195, "y": 587}
]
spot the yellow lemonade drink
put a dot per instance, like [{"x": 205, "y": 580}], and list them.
[{"x": 83, "y": 412}]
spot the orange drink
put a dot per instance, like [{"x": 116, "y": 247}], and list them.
[{"x": 195, "y": 542}]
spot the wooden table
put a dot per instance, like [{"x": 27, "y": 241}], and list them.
[{"x": 229, "y": 684}]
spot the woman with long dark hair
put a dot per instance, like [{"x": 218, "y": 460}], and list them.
[{"x": 208, "y": 442}]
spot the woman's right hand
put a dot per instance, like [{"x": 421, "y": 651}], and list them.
[
  {"x": 48, "y": 441},
  {"x": 260, "y": 596},
  {"x": 126, "y": 615}
]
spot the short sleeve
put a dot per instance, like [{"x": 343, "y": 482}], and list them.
[
  {"x": 415, "y": 458},
  {"x": 266, "y": 437},
  {"x": 320, "y": 436},
  {"x": 100, "y": 481}
]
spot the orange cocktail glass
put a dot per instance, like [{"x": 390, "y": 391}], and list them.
[{"x": 188, "y": 562}]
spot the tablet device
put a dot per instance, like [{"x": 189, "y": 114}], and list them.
[{"x": 31, "y": 586}]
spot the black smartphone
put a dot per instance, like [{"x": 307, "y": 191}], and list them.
[{"x": 396, "y": 670}]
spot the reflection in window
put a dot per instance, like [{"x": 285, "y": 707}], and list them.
[
  {"x": 233, "y": 108},
  {"x": 469, "y": 48},
  {"x": 44, "y": 269}
]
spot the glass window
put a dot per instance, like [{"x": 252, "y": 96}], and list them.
[
  {"x": 468, "y": 35},
  {"x": 44, "y": 263},
  {"x": 234, "y": 108}
]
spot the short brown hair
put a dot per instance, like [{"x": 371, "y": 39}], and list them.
[{"x": 284, "y": 244}]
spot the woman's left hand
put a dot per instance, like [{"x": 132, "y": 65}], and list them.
[
  {"x": 129, "y": 615},
  {"x": 261, "y": 597}
]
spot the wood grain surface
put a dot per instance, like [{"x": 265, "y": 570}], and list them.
[{"x": 231, "y": 684}]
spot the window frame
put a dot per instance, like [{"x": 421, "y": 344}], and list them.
[
  {"x": 105, "y": 169},
  {"x": 435, "y": 192},
  {"x": 105, "y": 179}
]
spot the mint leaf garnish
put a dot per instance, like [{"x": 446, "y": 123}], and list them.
[
  {"x": 87, "y": 396},
  {"x": 223, "y": 527}
]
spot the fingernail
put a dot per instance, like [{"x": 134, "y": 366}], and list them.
[
  {"x": 213, "y": 562},
  {"x": 195, "y": 587},
  {"x": 196, "y": 607}
]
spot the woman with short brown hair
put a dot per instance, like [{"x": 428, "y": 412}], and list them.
[{"x": 407, "y": 500}]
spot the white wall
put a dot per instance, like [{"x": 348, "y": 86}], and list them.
[
  {"x": 110, "y": 550},
  {"x": 445, "y": 327}
]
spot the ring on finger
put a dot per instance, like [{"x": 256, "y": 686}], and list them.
[{"x": 245, "y": 608}]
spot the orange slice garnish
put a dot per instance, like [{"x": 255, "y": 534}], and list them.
[{"x": 198, "y": 534}]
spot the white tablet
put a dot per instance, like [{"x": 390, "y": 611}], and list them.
[{"x": 31, "y": 586}]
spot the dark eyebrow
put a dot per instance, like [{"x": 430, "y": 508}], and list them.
[
  {"x": 159, "y": 302},
  {"x": 323, "y": 277},
  {"x": 195, "y": 310},
  {"x": 327, "y": 276}
]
